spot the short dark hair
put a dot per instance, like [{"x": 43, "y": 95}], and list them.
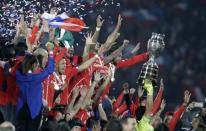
[
  {"x": 114, "y": 125},
  {"x": 63, "y": 126},
  {"x": 91, "y": 122},
  {"x": 27, "y": 63},
  {"x": 75, "y": 122},
  {"x": 8, "y": 52},
  {"x": 50, "y": 125},
  {"x": 103, "y": 124},
  {"x": 140, "y": 112},
  {"x": 124, "y": 119},
  {"x": 161, "y": 127}
]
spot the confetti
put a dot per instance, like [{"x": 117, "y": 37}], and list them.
[{"x": 11, "y": 10}]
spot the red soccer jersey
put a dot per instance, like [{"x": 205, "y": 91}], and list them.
[
  {"x": 70, "y": 72},
  {"x": 176, "y": 117},
  {"x": 83, "y": 115},
  {"x": 126, "y": 63},
  {"x": 48, "y": 91},
  {"x": 10, "y": 94},
  {"x": 32, "y": 37}
]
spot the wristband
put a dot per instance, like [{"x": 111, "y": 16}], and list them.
[{"x": 97, "y": 29}]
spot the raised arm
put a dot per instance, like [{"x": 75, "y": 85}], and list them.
[
  {"x": 76, "y": 107},
  {"x": 99, "y": 22},
  {"x": 17, "y": 35},
  {"x": 34, "y": 31},
  {"x": 70, "y": 106},
  {"x": 133, "y": 60},
  {"x": 87, "y": 47},
  {"x": 120, "y": 98},
  {"x": 149, "y": 88},
  {"x": 87, "y": 63},
  {"x": 132, "y": 52},
  {"x": 97, "y": 78},
  {"x": 47, "y": 71},
  {"x": 116, "y": 52},
  {"x": 114, "y": 35},
  {"x": 136, "y": 103},
  {"x": 21, "y": 30},
  {"x": 118, "y": 101},
  {"x": 101, "y": 89},
  {"x": 102, "y": 113},
  {"x": 158, "y": 99},
  {"x": 176, "y": 117},
  {"x": 162, "y": 107}
]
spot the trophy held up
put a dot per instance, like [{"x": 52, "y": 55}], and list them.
[{"x": 150, "y": 68}]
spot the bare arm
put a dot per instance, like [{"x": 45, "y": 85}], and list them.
[
  {"x": 100, "y": 22},
  {"x": 70, "y": 107},
  {"x": 97, "y": 78},
  {"x": 114, "y": 35},
  {"x": 87, "y": 63},
  {"x": 116, "y": 52},
  {"x": 17, "y": 35},
  {"x": 102, "y": 87},
  {"x": 87, "y": 47},
  {"x": 102, "y": 113},
  {"x": 75, "y": 108},
  {"x": 162, "y": 106},
  {"x": 21, "y": 30}
]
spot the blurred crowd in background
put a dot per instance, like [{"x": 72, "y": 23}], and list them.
[
  {"x": 182, "y": 64},
  {"x": 182, "y": 21}
]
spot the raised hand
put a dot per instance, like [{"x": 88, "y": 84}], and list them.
[
  {"x": 89, "y": 39},
  {"x": 18, "y": 28},
  {"x": 187, "y": 95},
  {"x": 163, "y": 104},
  {"x": 140, "y": 92},
  {"x": 54, "y": 11},
  {"x": 119, "y": 20},
  {"x": 100, "y": 21},
  {"x": 97, "y": 77},
  {"x": 132, "y": 91},
  {"x": 136, "y": 48},
  {"x": 125, "y": 43},
  {"x": 161, "y": 84},
  {"x": 22, "y": 26}
]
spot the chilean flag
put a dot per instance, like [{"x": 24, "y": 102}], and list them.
[{"x": 71, "y": 24}]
